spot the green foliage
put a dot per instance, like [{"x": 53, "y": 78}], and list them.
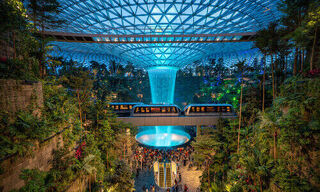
[
  {"x": 119, "y": 178},
  {"x": 19, "y": 135},
  {"x": 35, "y": 180}
]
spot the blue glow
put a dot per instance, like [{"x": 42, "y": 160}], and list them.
[
  {"x": 162, "y": 82},
  {"x": 118, "y": 17},
  {"x": 162, "y": 136}
]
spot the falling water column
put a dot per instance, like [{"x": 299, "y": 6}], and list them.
[{"x": 162, "y": 82}]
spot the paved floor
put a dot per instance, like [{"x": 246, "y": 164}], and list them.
[{"x": 190, "y": 177}]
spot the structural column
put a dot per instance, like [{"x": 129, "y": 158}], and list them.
[{"x": 198, "y": 130}]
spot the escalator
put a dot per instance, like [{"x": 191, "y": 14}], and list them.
[
  {"x": 161, "y": 175},
  {"x": 168, "y": 175}
]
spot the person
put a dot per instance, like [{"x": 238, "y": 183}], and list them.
[{"x": 185, "y": 188}]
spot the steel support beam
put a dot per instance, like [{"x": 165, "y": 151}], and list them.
[
  {"x": 173, "y": 121},
  {"x": 143, "y": 39}
]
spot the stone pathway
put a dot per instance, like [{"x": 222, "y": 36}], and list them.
[{"x": 190, "y": 177}]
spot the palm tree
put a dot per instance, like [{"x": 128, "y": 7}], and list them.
[
  {"x": 204, "y": 151},
  {"x": 294, "y": 14},
  {"x": 271, "y": 120},
  {"x": 241, "y": 67}
]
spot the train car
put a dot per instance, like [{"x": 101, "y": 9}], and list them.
[
  {"x": 155, "y": 110},
  {"x": 123, "y": 109},
  {"x": 208, "y": 110}
]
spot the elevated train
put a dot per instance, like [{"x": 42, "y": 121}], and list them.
[
  {"x": 123, "y": 109},
  {"x": 144, "y": 110},
  {"x": 155, "y": 110},
  {"x": 208, "y": 110}
]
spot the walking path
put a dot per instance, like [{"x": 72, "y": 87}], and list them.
[{"x": 190, "y": 177}]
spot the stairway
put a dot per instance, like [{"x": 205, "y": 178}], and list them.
[{"x": 161, "y": 175}]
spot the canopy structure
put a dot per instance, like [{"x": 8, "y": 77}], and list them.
[
  {"x": 161, "y": 36},
  {"x": 162, "y": 17}
]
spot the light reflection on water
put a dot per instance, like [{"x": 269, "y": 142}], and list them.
[{"x": 162, "y": 136}]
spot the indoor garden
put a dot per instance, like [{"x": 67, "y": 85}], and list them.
[{"x": 160, "y": 95}]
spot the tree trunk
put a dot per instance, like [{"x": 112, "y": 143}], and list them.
[
  {"x": 313, "y": 48},
  {"x": 302, "y": 60},
  {"x": 208, "y": 175},
  {"x": 295, "y": 61},
  {"x": 275, "y": 144},
  {"x": 285, "y": 67},
  {"x": 240, "y": 115},
  {"x": 264, "y": 79},
  {"x": 14, "y": 44},
  {"x": 272, "y": 72},
  {"x": 80, "y": 112},
  {"x": 107, "y": 160}
]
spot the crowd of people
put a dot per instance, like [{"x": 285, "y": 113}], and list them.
[{"x": 145, "y": 157}]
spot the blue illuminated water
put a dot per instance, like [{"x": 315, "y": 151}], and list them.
[
  {"x": 162, "y": 136},
  {"x": 162, "y": 82}
]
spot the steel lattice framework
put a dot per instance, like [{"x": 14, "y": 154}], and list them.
[{"x": 162, "y": 17}]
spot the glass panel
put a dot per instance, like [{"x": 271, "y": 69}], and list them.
[
  {"x": 155, "y": 109},
  {"x": 210, "y": 109}
]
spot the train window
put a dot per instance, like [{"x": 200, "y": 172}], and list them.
[
  {"x": 218, "y": 109},
  {"x": 155, "y": 109},
  {"x": 169, "y": 109},
  {"x": 174, "y": 110},
  {"x": 203, "y": 109},
  {"x": 143, "y": 110},
  {"x": 130, "y": 106},
  {"x": 163, "y": 109},
  {"x": 210, "y": 109},
  {"x": 228, "y": 109},
  {"x": 147, "y": 110},
  {"x": 192, "y": 109},
  {"x": 197, "y": 109},
  {"x": 123, "y": 107},
  {"x": 116, "y": 107},
  {"x": 223, "y": 109}
]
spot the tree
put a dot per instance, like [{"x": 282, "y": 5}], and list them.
[
  {"x": 313, "y": 23},
  {"x": 241, "y": 68},
  {"x": 43, "y": 15},
  {"x": 294, "y": 13},
  {"x": 204, "y": 151},
  {"x": 80, "y": 80}
]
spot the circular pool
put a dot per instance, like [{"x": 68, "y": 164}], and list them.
[{"x": 162, "y": 136}]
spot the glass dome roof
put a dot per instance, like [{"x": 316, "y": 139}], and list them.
[{"x": 161, "y": 17}]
